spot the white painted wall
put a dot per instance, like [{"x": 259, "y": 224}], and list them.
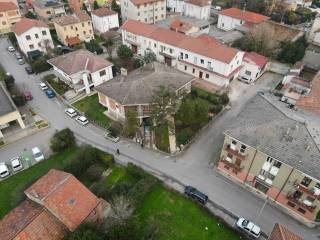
[
  {"x": 25, "y": 45},
  {"x": 176, "y": 5},
  {"x": 197, "y": 11},
  {"x": 228, "y": 23},
  {"x": 250, "y": 72},
  {"x": 105, "y": 23}
]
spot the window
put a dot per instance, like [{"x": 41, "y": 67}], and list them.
[
  {"x": 317, "y": 185},
  {"x": 301, "y": 210},
  {"x": 31, "y": 46},
  {"x": 138, "y": 14},
  {"x": 269, "y": 159},
  {"x": 234, "y": 142},
  {"x": 186, "y": 56},
  {"x": 297, "y": 195},
  {"x": 1, "y": 14},
  {"x": 277, "y": 164},
  {"x": 84, "y": 32},
  {"x": 146, "y": 20},
  {"x": 88, "y": 23},
  {"x": 102, "y": 73},
  {"x": 44, "y": 33},
  {"x": 155, "y": 45},
  {"x": 310, "y": 199},
  {"x": 156, "y": 17},
  {"x": 36, "y": 35},
  {"x": 243, "y": 148},
  {"x": 90, "y": 31},
  {"x": 185, "y": 67},
  {"x": 71, "y": 27},
  {"x": 201, "y": 61},
  {"x": 306, "y": 181},
  {"x": 207, "y": 75},
  {"x": 145, "y": 5},
  {"x": 48, "y": 12},
  {"x": 28, "y": 37},
  {"x": 248, "y": 73},
  {"x": 193, "y": 70},
  {"x": 82, "y": 24},
  {"x": 162, "y": 15},
  {"x": 64, "y": 28},
  {"x": 4, "y": 23},
  {"x": 171, "y": 51},
  {"x": 39, "y": 44},
  {"x": 181, "y": 55}
]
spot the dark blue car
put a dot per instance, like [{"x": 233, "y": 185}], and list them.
[{"x": 50, "y": 93}]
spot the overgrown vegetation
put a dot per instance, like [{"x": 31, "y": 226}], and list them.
[
  {"x": 17, "y": 96},
  {"x": 62, "y": 140},
  {"x": 94, "y": 47},
  {"x": 40, "y": 65},
  {"x": 59, "y": 86},
  {"x": 291, "y": 52}
]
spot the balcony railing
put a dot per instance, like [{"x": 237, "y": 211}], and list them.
[
  {"x": 235, "y": 152},
  {"x": 298, "y": 202},
  {"x": 235, "y": 168},
  {"x": 306, "y": 190}
]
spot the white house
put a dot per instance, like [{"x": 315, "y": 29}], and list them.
[
  {"x": 314, "y": 35},
  {"x": 148, "y": 11},
  {"x": 32, "y": 35},
  {"x": 203, "y": 57},
  {"x": 199, "y": 9},
  {"x": 233, "y": 17},
  {"x": 82, "y": 70},
  {"x": 254, "y": 65},
  {"x": 104, "y": 19}
]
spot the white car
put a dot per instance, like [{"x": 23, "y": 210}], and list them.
[
  {"x": 4, "y": 171},
  {"x": 43, "y": 86},
  {"x": 16, "y": 164},
  {"x": 21, "y": 61},
  {"x": 37, "y": 154},
  {"x": 71, "y": 112},
  {"x": 11, "y": 49},
  {"x": 82, "y": 120},
  {"x": 249, "y": 227},
  {"x": 109, "y": 136}
]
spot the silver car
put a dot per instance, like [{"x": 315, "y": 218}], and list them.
[{"x": 16, "y": 164}]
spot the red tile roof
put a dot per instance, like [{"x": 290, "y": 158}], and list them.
[
  {"x": 311, "y": 102},
  {"x": 203, "y": 45},
  {"x": 180, "y": 26},
  {"x": 7, "y": 6},
  {"x": 244, "y": 15},
  {"x": 280, "y": 232},
  {"x": 25, "y": 24},
  {"x": 253, "y": 57},
  {"x": 102, "y": 12},
  {"x": 139, "y": 2},
  {"x": 73, "y": 41},
  {"x": 200, "y": 3},
  {"x": 65, "y": 197}
]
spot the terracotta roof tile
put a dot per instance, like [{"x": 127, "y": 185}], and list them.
[
  {"x": 280, "y": 232},
  {"x": 72, "y": 19},
  {"x": 244, "y": 15},
  {"x": 25, "y": 24},
  {"x": 200, "y": 3},
  {"x": 180, "y": 26},
  {"x": 73, "y": 41},
  {"x": 79, "y": 60},
  {"x": 256, "y": 58},
  {"x": 203, "y": 45},
  {"x": 7, "y": 6},
  {"x": 102, "y": 12}
]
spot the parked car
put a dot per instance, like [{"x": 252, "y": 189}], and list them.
[
  {"x": 17, "y": 55},
  {"x": 50, "y": 93},
  {"x": 71, "y": 112},
  {"x": 196, "y": 194},
  {"x": 21, "y": 61},
  {"x": 16, "y": 164},
  {"x": 11, "y": 49},
  {"x": 109, "y": 136},
  {"x": 82, "y": 120},
  {"x": 249, "y": 227},
  {"x": 28, "y": 95},
  {"x": 4, "y": 171},
  {"x": 43, "y": 86},
  {"x": 29, "y": 70},
  {"x": 37, "y": 154}
]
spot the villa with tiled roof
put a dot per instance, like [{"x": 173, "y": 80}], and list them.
[{"x": 9, "y": 15}]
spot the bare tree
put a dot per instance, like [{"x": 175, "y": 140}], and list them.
[
  {"x": 109, "y": 44},
  {"x": 121, "y": 209},
  {"x": 47, "y": 46}
]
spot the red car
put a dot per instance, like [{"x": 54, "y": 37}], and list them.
[{"x": 28, "y": 96}]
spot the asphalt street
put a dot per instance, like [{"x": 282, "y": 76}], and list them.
[{"x": 193, "y": 167}]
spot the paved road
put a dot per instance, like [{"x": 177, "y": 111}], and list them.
[{"x": 192, "y": 167}]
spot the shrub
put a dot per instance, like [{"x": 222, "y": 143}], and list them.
[
  {"x": 107, "y": 160},
  {"x": 318, "y": 216},
  {"x": 40, "y": 65},
  {"x": 9, "y": 81},
  {"x": 224, "y": 99},
  {"x": 94, "y": 172},
  {"x": 140, "y": 189},
  {"x": 216, "y": 108},
  {"x": 62, "y": 140},
  {"x": 135, "y": 171},
  {"x": 115, "y": 128},
  {"x": 137, "y": 63},
  {"x": 94, "y": 47},
  {"x": 184, "y": 136},
  {"x": 120, "y": 188},
  {"x": 12, "y": 38},
  {"x": 124, "y": 52},
  {"x": 19, "y": 100}
]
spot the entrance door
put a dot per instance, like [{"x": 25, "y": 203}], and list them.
[
  {"x": 134, "y": 49},
  {"x": 200, "y": 74},
  {"x": 168, "y": 61}
]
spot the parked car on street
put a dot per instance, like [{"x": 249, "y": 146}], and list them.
[
  {"x": 37, "y": 154},
  {"x": 50, "y": 93},
  {"x": 11, "y": 49},
  {"x": 196, "y": 194},
  {"x": 249, "y": 227},
  {"x": 21, "y": 61},
  {"x": 28, "y": 95},
  {"x": 16, "y": 164},
  {"x": 108, "y": 135},
  {"x": 17, "y": 55},
  {"x": 82, "y": 120},
  {"x": 4, "y": 171},
  {"x": 71, "y": 112},
  {"x": 29, "y": 70},
  {"x": 43, "y": 86}
]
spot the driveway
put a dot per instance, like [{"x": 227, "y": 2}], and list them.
[{"x": 191, "y": 168}]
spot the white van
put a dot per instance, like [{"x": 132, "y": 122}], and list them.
[
  {"x": 4, "y": 171},
  {"x": 37, "y": 154}
]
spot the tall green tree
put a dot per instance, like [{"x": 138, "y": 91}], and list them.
[
  {"x": 131, "y": 123},
  {"x": 292, "y": 52},
  {"x": 95, "y": 5},
  {"x": 109, "y": 44},
  {"x": 124, "y": 52}
]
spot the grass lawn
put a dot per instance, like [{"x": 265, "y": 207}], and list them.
[
  {"x": 118, "y": 174},
  {"x": 13, "y": 187},
  {"x": 60, "y": 87},
  {"x": 162, "y": 138},
  {"x": 93, "y": 110},
  {"x": 180, "y": 218}
]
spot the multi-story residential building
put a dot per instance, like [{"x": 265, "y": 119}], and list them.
[
  {"x": 148, "y": 11},
  {"x": 32, "y": 35},
  {"x": 74, "y": 29},
  {"x": 48, "y": 9},
  {"x": 82, "y": 70},
  {"x": 103, "y": 20},
  {"x": 234, "y": 17},
  {"x": 199, "y": 9},
  {"x": 13, "y": 1},
  {"x": 203, "y": 56},
  {"x": 9, "y": 15},
  {"x": 275, "y": 153}
]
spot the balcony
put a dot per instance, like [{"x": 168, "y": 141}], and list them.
[
  {"x": 235, "y": 152},
  {"x": 235, "y": 168},
  {"x": 299, "y": 203},
  {"x": 306, "y": 190}
]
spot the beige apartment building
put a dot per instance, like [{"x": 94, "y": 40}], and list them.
[
  {"x": 9, "y": 15},
  {"x": 74, "y": 29},
  {"x": 47, "y": 10},
  {"x": 275, "y": 156},
  {"x": 148, "y": 11}
]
